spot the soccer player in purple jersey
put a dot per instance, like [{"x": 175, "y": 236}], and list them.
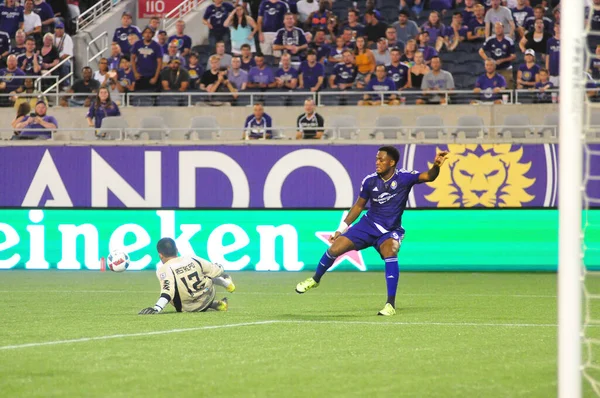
[{"x": 380, "y": 227}]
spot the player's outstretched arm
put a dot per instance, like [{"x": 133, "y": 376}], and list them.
[
  {"x": 352, "y": 215},
  {"x": 163, "y": 300},
  {"x": 434, "y": 171}
]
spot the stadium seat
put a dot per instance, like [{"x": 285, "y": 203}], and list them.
[
  {"x": 517, "y": 126},
  {"x": 277, "y": 134},
  {"x": 204, "y": 128},
  {"x": 115, "y": 126},
  {"x": 388, "y": 127},
  {"x": 428, "y": 127},
  {"x": 152, "y": 128},
  {"x": 551, "y": 125},
  {"x": 470, "y": 126},
  {"x": 594, "y": 128},
  {"x": 343, "y": 127}
]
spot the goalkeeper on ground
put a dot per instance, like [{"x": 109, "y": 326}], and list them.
[{"x": 188, "y": 282}]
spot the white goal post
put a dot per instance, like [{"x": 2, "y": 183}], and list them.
[{"x": 572, "y": 86}]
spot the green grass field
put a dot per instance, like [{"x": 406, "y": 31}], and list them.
[{"x": 456, "y": 335}]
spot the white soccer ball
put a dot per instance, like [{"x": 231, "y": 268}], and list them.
[{"x": 118, "y": 261}]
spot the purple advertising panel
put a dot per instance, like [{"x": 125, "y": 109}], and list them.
[{"x": 271, "y": 176}]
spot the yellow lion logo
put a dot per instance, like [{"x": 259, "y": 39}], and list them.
[{"x": 482, "y": 176}]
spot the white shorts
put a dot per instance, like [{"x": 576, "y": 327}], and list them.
[{"x": 267, "y": 46}]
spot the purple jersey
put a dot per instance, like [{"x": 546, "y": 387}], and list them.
[
  {"x": 217, "y": 16},
  {"x": 195, "y": 72},
  {"x": 125, "y": 78},
  {"x": 553, "y": 51},
  {"x": 293, "y": 37},
  {"x": 121, "y": 37},
  {"x": 428, "y": 52},
  {"x": 102, "y": 111},
  {"x": 520, "y": 16},
  {"x": 114, "y": 62},
  {"x": 375, "y": 85},
  {"x": 487, "y": 85},
  {"x": 44, "y": 10},
  {"x": 12, "y": 79},
  {"x": 248, "y": 65},
  {"x": 261, "y": 76},
  {"x": 311, "y": 74},
  {"x": 357, "y": 30},
  {"x": 388, "y": 198},
  {"x": 183, "y": 42},
  {"x": 147, "y": 56},
  {"x": 272, "y": 14},
  {"x": 544, "y": 96},
  {"x": 286, "y": 75},
  {"x": 528, "y": 74},
  {"x": 37, "y": 130},
  {"x": 344, "y": 74},
  {"x": 399, "y": 74},
  {"x": 28, "y": 69},
  {"x": 449, "y": 32},
  {"x": 498, "y": 49},
  {"x": 337, "y": 53},
  {"x": 256, "y": 127},
  {"x": 10, "y": 18},
  {"x": 467, "y": 17},
  {"x": 4, "y": 42},
  {"x": 434, "y": 32},
  {"x": 477, "y": 28},
  {"x": 321, "y": 50}
]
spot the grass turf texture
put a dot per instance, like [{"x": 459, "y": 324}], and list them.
[{"x": 456, "y": 335}]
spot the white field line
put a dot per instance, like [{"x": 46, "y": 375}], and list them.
[
  {"x": 291, "y": 293},
  {"x": 269, "y": 322}
]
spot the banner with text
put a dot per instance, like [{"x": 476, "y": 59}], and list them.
[
  {"x": 285, "y": 240},
  {"x": 156, "y": 8},
  {"x": 271, "y": 176}
]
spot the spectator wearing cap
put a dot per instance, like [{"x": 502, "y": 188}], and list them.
[
  {"x": 161, "y": 39},
  {"x": 121, "y": 35},
  {"x": 286, "y": 77},
  {"x": 382, "y": 54},
  {"x": 224, "y": 58},
  {"x": 405, "y": 28},
  {"x": 4, "y": 48},
  {"x": 490, "y": 84},
  {"x": 146, "y": 59},
  {"x": 32, "y": 24},
  {"x": 374, "y": 29},
  {"x": 311, "y": 74},
  {"x": 528, "y": 72},
  {"x": 536, "y": 39},
  {"x": 242, "y": 29},
  {"x": 86, "y": 85},
  {"x": 502, "y": 50},
  {"x": 247, "y": 58},
  {"x": 114, "y": 60},
  {"x": 289, "y": 39},
  {"x": 258, "y": 125},
  {"x": 10, "y": 79},
  {"x": 436, "y": 80},
  {"x": 102, "y": 107},
  {"x": 11, "y": 17},
  {"x": 214, "y": 17},
  {"x": 270, "y": 19},
  {"x": 173, "y": 53},
  {"x": 125, "y": 77},
  {"x": 424, "y": 47},
  {"x": 476, "y": 32},
  {"x": 195, "y": 70},
  {"x": 38, "y": 126},
  {"x": 44, "y": 10},
  {"x": 174, "y": 79},
  {"x": 184, "y": 42},
  {"x": 63, "y": 41},
  {"x": 498, "y": 13},
  {"x": 261, "y": 76}
]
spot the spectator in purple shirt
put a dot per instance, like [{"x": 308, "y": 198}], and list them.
[
  {"x": 476, "y": 25},
  {"x": 543, "y": 85},
  {"x": 453, "y": 34},
  {"x": 428, "y": 51},
  {"x": 44, "y": 10},
  {"x": 319, "y": 46},
  {"x": 10, "y": 79},
  {"x": 146, "y": 58},
  {"x": 247, "y": 58},
  {"x": 18, "y": 45},
  {"x": 214, "y": 17},
  {"x": 270, "y": 20},
  {"x": 553, "y": 58},
  {"x": 381, "y": 82},
  {"x": 38, "y": 126},
  {"x": 121, "y": 35},
  {"x": 468, "y": 12},
  {"x": 520, "y": 14},
  {"x": 286, "y": 77},
  {"x": 11, "y": 17},
  {"x": 184, "y": 42},
  {"x": 4, "y": 48},
  {"x": 125, "y": 77},
  {"x": 290, "y": 39},
  {"x": 236, "y": 75},
  {"x": 398, "y": 71},
  {"x": 490, "y": 84},
  {"x": 195, "y": 70},
  {"x": 261, "y": 77},
  {"x": 114, "y": 61},
  {"x": 102, "y": 107},
  {"x": 344, "y": 73},
  {"x": 527, "y": 75},
  {"x": 434, "y": 26},
  {"x": 336, "y": 52},
  {"x": 311, "y": 73},
  {"x": 353, "y": 24},
  {"x": 30, "y": 62},
  {"x": 502, "y": 50}
]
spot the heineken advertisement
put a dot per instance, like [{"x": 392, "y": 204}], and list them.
[
  {"x": 285, "y": 240},
  {"x": 273, "y": 176}
]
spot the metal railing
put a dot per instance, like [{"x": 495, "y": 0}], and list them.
[
  {"x": 280, "y": 134},
  {"x": 59, "y": 80},
  {"x": 191, "y": 98},
  {"x": 179, "y": 12},
  {"x": 103, "y": 47},
  {"x": 90, "y": 15}
]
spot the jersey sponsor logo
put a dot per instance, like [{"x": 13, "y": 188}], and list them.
[
  {"x": 272, "y": 11},
  {"x": 384, "y": 197},
  {"x": 123, "y": 36},
  {"x": 166, "y": 285},
  {"x": 483, "y": 176}
]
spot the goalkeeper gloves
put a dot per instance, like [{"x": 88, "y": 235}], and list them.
[{"x": 148, "y": 311}]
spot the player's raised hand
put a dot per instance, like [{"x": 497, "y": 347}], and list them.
[
  {"x": 335, "y": 235},
  {"x": 148, "y": 311},
  {"x": 440, "y": 158}
]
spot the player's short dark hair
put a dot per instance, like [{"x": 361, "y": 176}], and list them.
[
  {"x": 167, "y": 247},
  {"x": 311, "y": 52},
  {"x": 436, "y": 56},
  {"x": 245, "y": 46},
  {"x": 391, "y": 151}
]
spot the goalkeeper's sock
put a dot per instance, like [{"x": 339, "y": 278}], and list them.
[
  {"x": 326, "y": 262},
  {"x": 392, "y": 273}
]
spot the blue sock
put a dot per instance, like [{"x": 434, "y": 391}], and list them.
[
  {"x": 392, "y": 273},
  {"x": 326, "y": 262}
]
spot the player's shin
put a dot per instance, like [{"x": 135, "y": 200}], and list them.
[
  {"x": 324, "y": 264},
  {"x": 392, "y": 273}
]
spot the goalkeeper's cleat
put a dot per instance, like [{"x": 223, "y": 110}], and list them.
[
  {"x": 223, "y": 305},
  {"x": 306, "y": 285},
  {"x": 231, "y": 287},
  {"x": 388, "y": 310}
]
